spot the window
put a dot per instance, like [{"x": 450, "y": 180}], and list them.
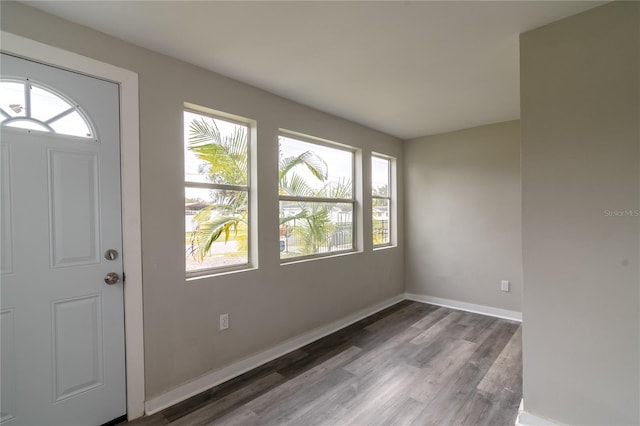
[
  {"x": 381, "y": 200},
  {"x": 216, "y": 194},
  {"x": 25, "y": 105},
  {"x": 317, "y": 200}
]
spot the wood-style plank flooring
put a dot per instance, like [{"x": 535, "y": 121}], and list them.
[{"x": 411, "y": 364}]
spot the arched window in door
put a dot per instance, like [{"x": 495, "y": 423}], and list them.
[{"x": 28, "y": 105}]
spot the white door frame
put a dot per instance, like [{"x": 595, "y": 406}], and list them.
[{"x": 130, "y": 171}]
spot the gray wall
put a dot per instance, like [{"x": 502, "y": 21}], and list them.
[
  {"x": 581, "y": 158},
  {"x": 462, "y": 213},
  {"x": 268, "y": 305}
]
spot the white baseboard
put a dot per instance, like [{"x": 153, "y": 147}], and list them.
[
  {"x": 528, "y": 419},
  {"x": 217, "y": 377},
  {"x": 464, "y": 306}
]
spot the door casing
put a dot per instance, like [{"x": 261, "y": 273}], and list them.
[{"x": 130, "y": 189}]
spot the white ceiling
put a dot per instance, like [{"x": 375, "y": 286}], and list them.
[{"x": 406, "y": 68}]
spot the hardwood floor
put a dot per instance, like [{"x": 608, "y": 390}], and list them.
[{"x": 412, "y": 363}]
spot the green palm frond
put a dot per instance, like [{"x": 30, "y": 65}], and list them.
[
  {"x": 317, "y": 226},
  {"x": 209, "y": 231},
  {"x": 226, "y": 155},
  {"x": 294, "y": 184},
  {"x": 341, "y": 189},
  {"x": 314, "y": 163},
  {"x": 203, "y": 131},
  {"x": 303, "y": 214}
]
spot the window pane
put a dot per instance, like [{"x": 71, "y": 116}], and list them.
[
  {"x": 380, "y": 211},
  {"x": 72, "y": 124},
  {"x": 380, "y": 176},
  {"x": 308, "y": 228},
  {"x": 215, "y": 150},
  {"x": 215, "y": 228},
  {"x": 25, "y": 123},
  {"x": 312, "y": 170},
  {"x": 12, "y": 100},
  {"x": 45, "y": 105}
]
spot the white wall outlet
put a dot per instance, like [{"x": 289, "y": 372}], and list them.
[
  {"x": 504, "y": 286},
  {"x": 224, "y": 321}
]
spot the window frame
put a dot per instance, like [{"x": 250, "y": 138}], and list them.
[
  {"x": 250, "y": 129},
  {"x": 389, "y": 197},
  {"x": 353, "y": 200}
]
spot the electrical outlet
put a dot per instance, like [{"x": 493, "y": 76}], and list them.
[
  {"x": 504, "y": 285},
  {"x": 224, "y": 321}
]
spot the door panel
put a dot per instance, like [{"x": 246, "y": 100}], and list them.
[
  {"x": 8, "y": 371},
  {"x": 77, "y": 345},
  {"x": 73, "y": 198},
  {"x": 60, "y": 212}
]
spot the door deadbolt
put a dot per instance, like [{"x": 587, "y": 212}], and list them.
[
  {"x": 111, "y": 254},
  {"x": 112, "y": 278}
]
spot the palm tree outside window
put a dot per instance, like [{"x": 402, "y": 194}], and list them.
[
  {"x": 315, "y": 181},
  {"x": 317, "y": 200},
  {"x": 217, "y": 206}
]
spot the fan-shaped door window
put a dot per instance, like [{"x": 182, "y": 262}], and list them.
[{"x": 26, "y": 105}]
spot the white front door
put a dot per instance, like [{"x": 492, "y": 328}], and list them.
[{"x": 62, "y": 325}]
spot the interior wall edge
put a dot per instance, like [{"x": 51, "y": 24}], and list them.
[
  {"x": 468, "y": 307},
  {"x": 527, "y": 419}
]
